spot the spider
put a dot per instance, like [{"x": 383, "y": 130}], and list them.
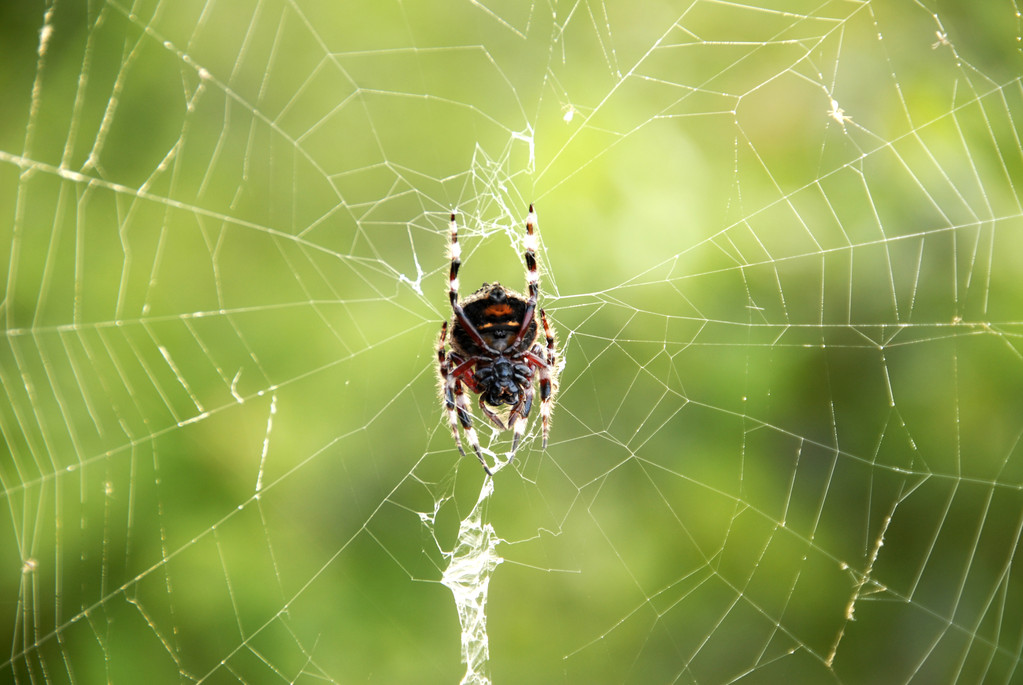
[{"x": 495, "y": 352}]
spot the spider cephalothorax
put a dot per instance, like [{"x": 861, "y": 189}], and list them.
[{"x": 495, "y": 352}]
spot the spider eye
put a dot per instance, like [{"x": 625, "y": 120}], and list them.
[{"x": 498, "y": 294}]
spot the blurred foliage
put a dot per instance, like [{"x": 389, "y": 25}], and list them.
[{"x": 780, "y": 247}]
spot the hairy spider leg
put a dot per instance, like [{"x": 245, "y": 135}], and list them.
[
  {"x": 454, "y": 375},
  {"x": 491, "y": 415},
  {"x": 520, "y": 412},
  {"x": 455, "y": 402},
  {"x": 456, "y": 263},
  {"x": 547, "y": 379},
  {"x": 543, "y": 359},
  {"x": 532, "y": 277},
  {"x": 518, "y": 415}
]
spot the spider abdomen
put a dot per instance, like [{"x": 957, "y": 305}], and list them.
[{"x": 497, "y": 314}]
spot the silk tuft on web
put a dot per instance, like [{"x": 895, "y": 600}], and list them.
[{"x": 780, "y": 243}]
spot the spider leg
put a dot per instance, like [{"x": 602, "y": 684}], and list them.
[
  {"x": 456, "y": 263},
  {"x": 521, "y": 413},
  {"x": 448, "y": 379},
  {"x": 465, "y": 418},
  {"x": 491, "y": 415},
  {"x": 532, "y": 277},
  {"x": 548, "y": 379},
  {"x": 456, "y": 404}
]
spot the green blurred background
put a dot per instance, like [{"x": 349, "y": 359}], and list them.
[{"x": 781, "y": 247}]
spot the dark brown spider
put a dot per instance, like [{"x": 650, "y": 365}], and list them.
[{"x": 495, "y": 352}]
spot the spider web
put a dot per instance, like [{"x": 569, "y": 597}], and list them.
[{"x": 780, "y": 245}]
